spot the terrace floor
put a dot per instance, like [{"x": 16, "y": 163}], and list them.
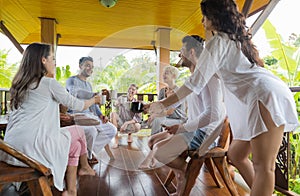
[{"x": 122, "y": 176}]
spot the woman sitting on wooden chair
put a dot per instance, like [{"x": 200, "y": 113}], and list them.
[{"x": 33, "y": 125}]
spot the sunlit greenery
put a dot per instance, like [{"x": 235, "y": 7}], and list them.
[
  {"x": 62, "y": 74},
  {"x": 7, "y": 71}
]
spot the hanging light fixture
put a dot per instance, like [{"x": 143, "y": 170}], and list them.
[{"x": 108, "y": 3}]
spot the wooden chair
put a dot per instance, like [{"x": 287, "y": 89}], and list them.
[
  {"x": 37, "y": 176},
  {"x": 216, "y": 155}
]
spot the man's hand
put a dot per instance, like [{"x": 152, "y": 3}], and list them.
[
  {"x": 103, "y": 118},
  {"x": 65, "y": 117}
]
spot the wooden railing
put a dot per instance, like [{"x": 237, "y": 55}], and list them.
[
  {"x": 4, "y": 98},
  {"x": 145, "y": 97},
  {"x": 283, "y": 162}
]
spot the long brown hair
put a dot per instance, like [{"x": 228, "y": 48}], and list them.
[
  {"x": 226, "y": 18},
  {"x": 31, "y": 71}
]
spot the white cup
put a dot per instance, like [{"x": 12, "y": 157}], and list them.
[
  {"x": 123, "y": 99},
  {"x": 113, "y": 94},
  {"x": 103, "y": 99}
]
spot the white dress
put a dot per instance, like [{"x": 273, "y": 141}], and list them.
[
  {"x": 34, "y": 128},
  {"x": 245, "y": 86}
]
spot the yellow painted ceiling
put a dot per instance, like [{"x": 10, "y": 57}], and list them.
[{"x": 129, "y": 24}]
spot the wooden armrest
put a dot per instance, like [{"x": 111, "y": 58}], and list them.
[
  {"x": 216, "y": 152},
  {"x": 24, "y": 158}
]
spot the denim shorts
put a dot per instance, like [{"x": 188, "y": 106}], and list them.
[{"x": 199, "y": 137}]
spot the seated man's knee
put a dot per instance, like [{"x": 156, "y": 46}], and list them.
[
  {"x": 160, "y": 154},
  {"x": 90, "y": 131}
]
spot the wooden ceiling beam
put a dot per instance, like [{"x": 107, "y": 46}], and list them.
[
  {"x": 11, "y": 37},
  {"x": 246, "y": 7},
  {"x": 263, "y": 16}
]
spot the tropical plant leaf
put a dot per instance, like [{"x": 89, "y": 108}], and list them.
[{"x": 284, "y": 53}]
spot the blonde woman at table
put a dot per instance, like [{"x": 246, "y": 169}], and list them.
[
  {"x": 259, "y": 105},
  {"x": 34, "y": 126},
  {"x": 173, "y": 116}
]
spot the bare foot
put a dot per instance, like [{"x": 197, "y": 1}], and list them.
[
  {"x": 86, "y": 171},
  {"x": 144, "y": 166},
  {"x": 115, "y": 145}
]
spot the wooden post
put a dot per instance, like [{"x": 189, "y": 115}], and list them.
[
  {"x": 48, "y": 32},
  {"x": 163, "y": 53}
]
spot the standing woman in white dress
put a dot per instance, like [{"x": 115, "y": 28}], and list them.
[
  {"x": 34, "y": 126},
  {"x": 260, "y": 106}
]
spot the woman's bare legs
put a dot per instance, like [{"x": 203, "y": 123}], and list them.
[
  {"x": 238, "y": 154},
  {"x": 71, "y": 177},
  {"x": 265, "y": 148}
]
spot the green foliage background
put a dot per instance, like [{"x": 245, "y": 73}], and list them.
[{"x": 7, "y": 71}]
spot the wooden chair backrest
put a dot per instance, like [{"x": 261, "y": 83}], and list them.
[{"x": 225, "y": 135}]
